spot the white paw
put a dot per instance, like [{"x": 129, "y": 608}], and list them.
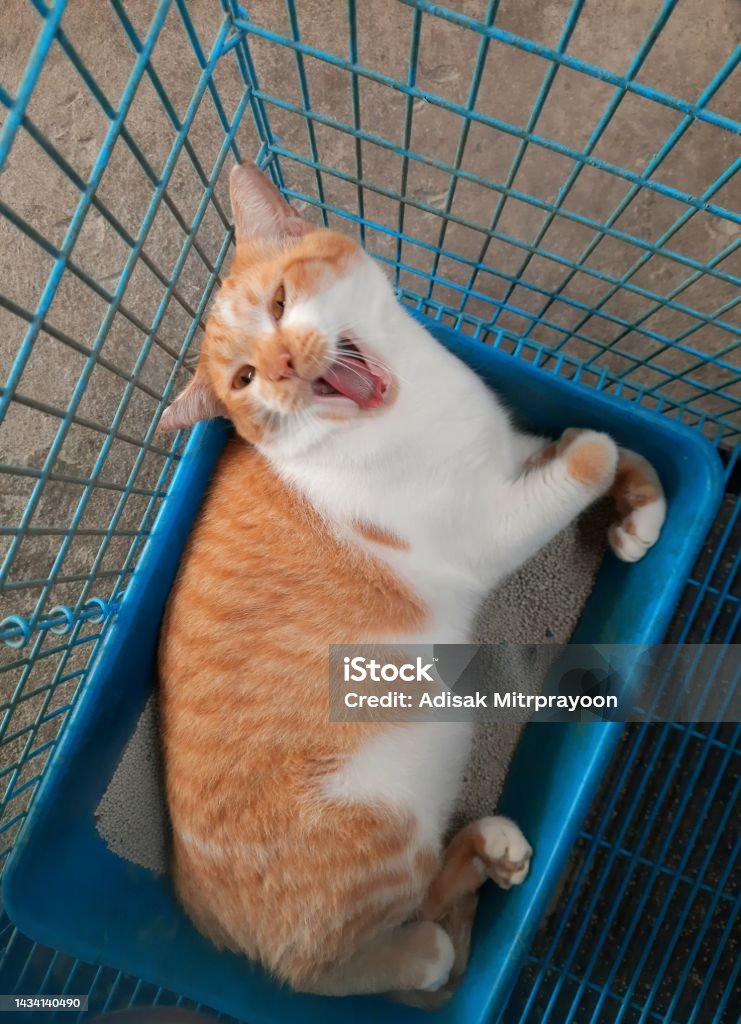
[
  {"x": 507, "y": 852},
  {"x": 639, "y": 531},
  {"x": 591, "y": 458},
  {"x": 437, "y": 967}
]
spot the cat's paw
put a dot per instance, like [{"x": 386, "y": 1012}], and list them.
[
  {"x": 505, "y": 851},
  {"x": 436, "y": 956},
  {"x": 638, "y": 532},
  {"x": 641, "y": 505},
  {"x": 591, "y": 458}
]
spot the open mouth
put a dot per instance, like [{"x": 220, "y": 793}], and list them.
[{"x": 352, "y": 376}]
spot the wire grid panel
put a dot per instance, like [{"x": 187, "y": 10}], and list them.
[
  {"x": 540, "y": 182},
  {"x": 118, "y": 229},
  {"x": 557, "y": 180}
]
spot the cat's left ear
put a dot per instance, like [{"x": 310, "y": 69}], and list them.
[
  {"x": 260, "y": 212},
  {"x": 197, "y": 402}
]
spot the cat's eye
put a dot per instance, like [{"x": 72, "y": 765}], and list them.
[
  {"x": 279, "y": 302},
  {"x": 243, "y": 377}
]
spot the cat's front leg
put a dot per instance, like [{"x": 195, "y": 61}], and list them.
[
  {"x": 555, "y": 486},
  {"x": 639, "y": 498}
]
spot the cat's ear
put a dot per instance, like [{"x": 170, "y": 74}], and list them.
[
  {"x": 259, "y": 210},
  {"x": 197, "y": 402}
]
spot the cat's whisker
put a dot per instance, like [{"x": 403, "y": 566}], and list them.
[
  {"x": 367, "y": 356},
  {"x": 361, "y": 358},
  {"x": 304, "y": 417},
  {"x": 369, "y": 361},
  {"x": 272, "y": 420},
  {"x": 347, "y": 365}
]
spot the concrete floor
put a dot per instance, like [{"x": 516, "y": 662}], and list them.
[{"x": 697, "y": 39}]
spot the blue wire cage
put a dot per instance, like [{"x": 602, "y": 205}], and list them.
[{"x": 557, "y": 181}]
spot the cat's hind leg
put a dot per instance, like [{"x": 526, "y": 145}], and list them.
[
  {"x": 413, "y": 957},
  {"x": 641, "y": 507},
  {"x": 458, "y": 923},
  {"x": 636, "y": 490},
  {"x": 487, "y": 848}
]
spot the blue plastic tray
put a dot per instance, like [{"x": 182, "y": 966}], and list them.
[{"x": 64, "y": 888}]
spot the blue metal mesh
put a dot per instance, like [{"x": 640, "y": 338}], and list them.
[{"x": 500, "y": 207}]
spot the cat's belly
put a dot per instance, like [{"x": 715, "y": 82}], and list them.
[
  {"x": 451, "y": 613},
  {"x": 416, "y": 768},
  {"x": 451, "y": 594}
]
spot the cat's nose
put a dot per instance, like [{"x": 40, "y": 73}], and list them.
[{"x": 282, "y": 367}]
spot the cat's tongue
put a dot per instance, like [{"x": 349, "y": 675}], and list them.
[{"x": 356, "y": 382}]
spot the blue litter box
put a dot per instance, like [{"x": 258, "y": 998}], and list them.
[{"x": 66, "y": 889}]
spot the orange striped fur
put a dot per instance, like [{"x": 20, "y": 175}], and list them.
[{"x": 262, "y": 864}]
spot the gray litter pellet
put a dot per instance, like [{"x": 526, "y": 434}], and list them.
[{"x": 131, "y": 815}]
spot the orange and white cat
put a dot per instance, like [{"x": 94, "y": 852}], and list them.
[{"x": 376, "y": 492}]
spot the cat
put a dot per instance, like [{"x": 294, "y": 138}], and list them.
[{"x": 375, "y": 491}]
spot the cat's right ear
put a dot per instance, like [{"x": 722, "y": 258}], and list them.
[
  {"x": 259, "y": 210},
  {"x": 197, "y": 402}
]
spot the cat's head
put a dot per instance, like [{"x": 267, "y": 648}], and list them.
[{"x": 285, "y": 346}]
